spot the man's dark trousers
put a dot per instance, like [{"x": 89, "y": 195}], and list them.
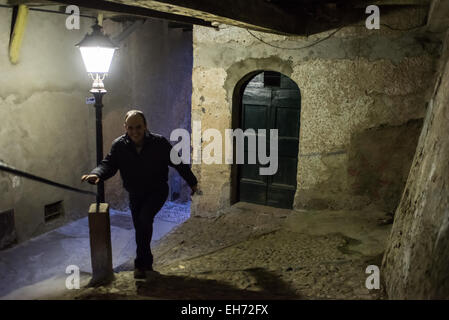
[{"x": 144, "y": 208}]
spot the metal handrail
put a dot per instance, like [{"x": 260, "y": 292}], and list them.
[{"x": 5, "y": 167}]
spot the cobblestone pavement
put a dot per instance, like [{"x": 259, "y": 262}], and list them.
[{"x": 257, "y": 252}]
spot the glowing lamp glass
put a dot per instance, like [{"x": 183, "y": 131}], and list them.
[{"x": 97, "y": 59}]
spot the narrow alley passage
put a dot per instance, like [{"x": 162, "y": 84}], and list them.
[{"x": 258, "y": 252}]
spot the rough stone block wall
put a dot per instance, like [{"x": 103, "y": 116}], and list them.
[
  {"x": 356, "y": 80},
  {"x": 416, "y": 262},
  {"x": 379, "y": 161}
]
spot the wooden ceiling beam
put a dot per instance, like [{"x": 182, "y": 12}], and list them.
[
  {"x": 253, "y": 14},
  {"x": 134, "y": 10}
]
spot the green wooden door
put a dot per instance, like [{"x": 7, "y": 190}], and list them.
[{"x": 271, "y": 101}]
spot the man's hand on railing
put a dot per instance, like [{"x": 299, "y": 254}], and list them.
[{"x": 91, "y": 178}]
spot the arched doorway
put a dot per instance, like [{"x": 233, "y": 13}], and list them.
[{"x": 269, "y": 100}]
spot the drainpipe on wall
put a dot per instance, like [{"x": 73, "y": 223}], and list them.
[
  {"x": 15, "y": 42},
  {"x": 100, "y": 19}
]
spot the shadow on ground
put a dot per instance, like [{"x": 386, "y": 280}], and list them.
[{"x": 185, "y": 287}]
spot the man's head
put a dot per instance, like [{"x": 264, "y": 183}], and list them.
[{"x": 135, "y": 125}]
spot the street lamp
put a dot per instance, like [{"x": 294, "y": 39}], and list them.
[{"x": 97, "y": 50}]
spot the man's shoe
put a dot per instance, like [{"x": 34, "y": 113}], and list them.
[{"x": 139, "y": 274}]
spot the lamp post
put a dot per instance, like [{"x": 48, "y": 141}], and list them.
[{"x": 97, "y": 51}]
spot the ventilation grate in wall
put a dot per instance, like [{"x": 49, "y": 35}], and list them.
[{"x": 53, "y": 211}]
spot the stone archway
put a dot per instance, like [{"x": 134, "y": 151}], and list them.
[{"x": 267, "y": 100}]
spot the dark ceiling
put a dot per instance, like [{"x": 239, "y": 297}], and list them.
[{"x": 290, "y": 17}]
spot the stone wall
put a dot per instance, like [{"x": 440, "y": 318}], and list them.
[
  {"x": 45, "y": 126},
  {"x": 354, "y": 83},
  {"x": 416, "y": 262}
]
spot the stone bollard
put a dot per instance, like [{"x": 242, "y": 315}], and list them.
[{"x": 100, "y": 244}]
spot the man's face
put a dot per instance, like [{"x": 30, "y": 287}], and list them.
[{"x": 135, "y": 127}]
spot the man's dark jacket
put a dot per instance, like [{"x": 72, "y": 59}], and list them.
[{"x": 144, "y": 172}]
